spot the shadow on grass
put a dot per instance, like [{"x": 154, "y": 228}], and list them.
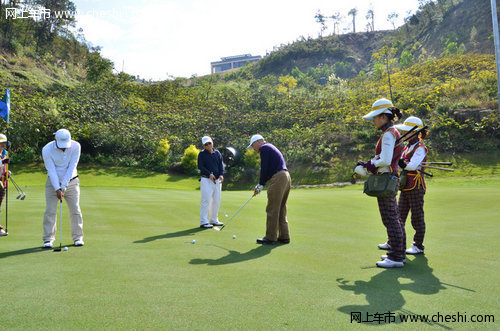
[
  {"x": 24, "y": 251},
  {"x": 383, "y": 293},
  {"x": 183, "y": 233},
  {"x": 236, "y": 257}
]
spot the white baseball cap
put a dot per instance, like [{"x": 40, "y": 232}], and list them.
[
  {"x": 206, "y": 139},
  {"x": 3, "y": 138},
  {"x": 380, "y": 106},
  {"x": 409, "y": 123},
  {"x": 254, "y": 138},
  {"x": 63, "y": 138}
]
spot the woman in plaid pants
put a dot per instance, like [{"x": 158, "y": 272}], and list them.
[
  {"x": 412, "y": 194},
  {"x": 387, "y": 155}
]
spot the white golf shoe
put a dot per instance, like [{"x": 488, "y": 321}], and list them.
[
  {"x": 384, "y": 257},
  {"x": 385, "y": 246},
  {"x": 3, "y": 233},
  {"x": 388, "y": 263},
  {"x": 414, "y": 250},
  {"x": 47, "y": 244},
  {"x": 79, "y": 243}
]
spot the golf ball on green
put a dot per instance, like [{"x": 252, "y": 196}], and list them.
[
  {"x": 194, "y": 241},
  {"x": 234, "y": 236},
  {"x": 65, "y": 248}
]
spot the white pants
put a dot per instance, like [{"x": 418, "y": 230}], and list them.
[
  {"x": 72, "y": 197},
  {"x": 210, "y": 200}
]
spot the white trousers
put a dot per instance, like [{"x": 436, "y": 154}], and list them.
[
  {"x": 72, "y": 197},
  {"x": 210, "y": 200}
]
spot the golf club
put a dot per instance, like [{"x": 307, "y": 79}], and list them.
[
  {"x": 229, "y": 220},
  {"x": 21, "y": 193},
  {"x": 58, "y": 249},
  {"x": 439, "y": 168},
  {"x": 224, "y": 210},
  {"x": 407, "y": 132},
  {"x": 439, "y": 163},
  {"x": 426, "y": 173},
  {"x": 411, "y": 136}
]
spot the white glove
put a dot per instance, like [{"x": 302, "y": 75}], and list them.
[
  {"x": 258, "y": 188},
  {"x": 360, "y": 170}
]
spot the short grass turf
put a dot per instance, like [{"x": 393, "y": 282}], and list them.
[{"x": 139, "y": 268}]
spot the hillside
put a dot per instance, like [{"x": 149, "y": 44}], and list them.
[{"x": 459, "y": 25}]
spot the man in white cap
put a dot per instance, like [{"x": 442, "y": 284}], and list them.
[
  {"x": 273, "y": 169},
  {"x": 61, "y": 158},
  {"x": 212, "y": 176}
]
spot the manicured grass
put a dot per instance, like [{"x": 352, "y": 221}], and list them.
[{"x": 139, "y": 270}]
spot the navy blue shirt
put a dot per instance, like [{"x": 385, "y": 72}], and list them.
[
  {"x": 210, "y": 163},
  {"x": 271, "y": 161}
]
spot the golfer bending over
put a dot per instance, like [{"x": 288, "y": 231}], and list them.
[
  {"x": 273, "y": 169},
  {"x": 4, "y": 159},
  {"x": 212, "y": 171},
  {"x": 61, "y": 157}
]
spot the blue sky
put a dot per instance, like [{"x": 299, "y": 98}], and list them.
[{"x": 156, "y": 39}]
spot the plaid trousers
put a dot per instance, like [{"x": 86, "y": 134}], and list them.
[
  {"x": 413, "y": 200},
  {"x": 389, "y": 212}
]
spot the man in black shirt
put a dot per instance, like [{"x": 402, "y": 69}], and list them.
[{"x": 212, "y": 176}]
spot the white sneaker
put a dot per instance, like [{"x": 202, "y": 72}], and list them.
[
  {"x": 47, "y": 244},
  {"x": 384, "y": 257},
  {"x": 385, "y": 246},
  {"x": 413, "y": 250},
  {"x": 79, "y": 243},
  {"x": 217, "y": 223},
  {"x": 388, "y": 263},
  {"x": 3, "y": 233}
]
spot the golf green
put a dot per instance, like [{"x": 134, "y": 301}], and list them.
[{"x": 140, "y": 270}]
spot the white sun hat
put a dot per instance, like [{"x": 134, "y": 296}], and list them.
[
  {"x": 3, "y": 138},
  {"x": 63, "y": 138},
  {"x": 381, "y": 106},
  {"x": 409, "y": 123},
  {"x": 254, "y": 138}
]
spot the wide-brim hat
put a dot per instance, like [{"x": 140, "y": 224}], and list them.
[
  {"x": 409, "y": 123},
  {"x": 381, "y": 106}
]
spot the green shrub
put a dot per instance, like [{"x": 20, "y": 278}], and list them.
[
  {"x": 251, "y": 159},
  {"x": 189, "y": 160}
]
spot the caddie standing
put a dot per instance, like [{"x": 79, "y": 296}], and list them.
[
  {"x": 412, "y": 194},
  {"x": 4, "y": 159},
  {"x": 212, "y": 176},
  {"x": 387, "y": 155},
  {"x": 61, "y": 158},
  {"x": 273, "y": 169}
]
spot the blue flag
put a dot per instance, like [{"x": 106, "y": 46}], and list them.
[{"x": 5, "y": 106}]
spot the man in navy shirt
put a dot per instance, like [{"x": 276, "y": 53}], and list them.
[
  {"x": 273, "y": 169},
  {"x": 212, "y": 171}
]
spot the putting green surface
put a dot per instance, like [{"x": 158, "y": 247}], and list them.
[{"x": 139, "y": 268}]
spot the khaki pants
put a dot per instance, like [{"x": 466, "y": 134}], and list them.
[
  {"x": 277, "y": 195},
  {"x": 72, "y": 197}
]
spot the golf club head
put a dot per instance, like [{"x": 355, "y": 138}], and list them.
[
  {"x": 353, "y": 180},
  {"x": 18, "y": 196},
  {"x": 23, "y": 197},
  {"x": 57, "y": 249},
  {"x": 216, "y": 228}
]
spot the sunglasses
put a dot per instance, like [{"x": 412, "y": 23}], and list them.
[{"x": 209, "y": 143}]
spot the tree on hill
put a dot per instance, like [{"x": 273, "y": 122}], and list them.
[
  {"x": 353, "y": 12},
  {"x": 370, "y": 16}
]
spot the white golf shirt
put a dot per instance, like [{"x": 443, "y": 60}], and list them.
[
  {"x": 61, "y": 166},
  {"x": 384, "y": 159}
]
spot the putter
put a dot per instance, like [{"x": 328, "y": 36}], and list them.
[
  {"x": 58, "y": 249},
  {"x": 229, "y": 220}
]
